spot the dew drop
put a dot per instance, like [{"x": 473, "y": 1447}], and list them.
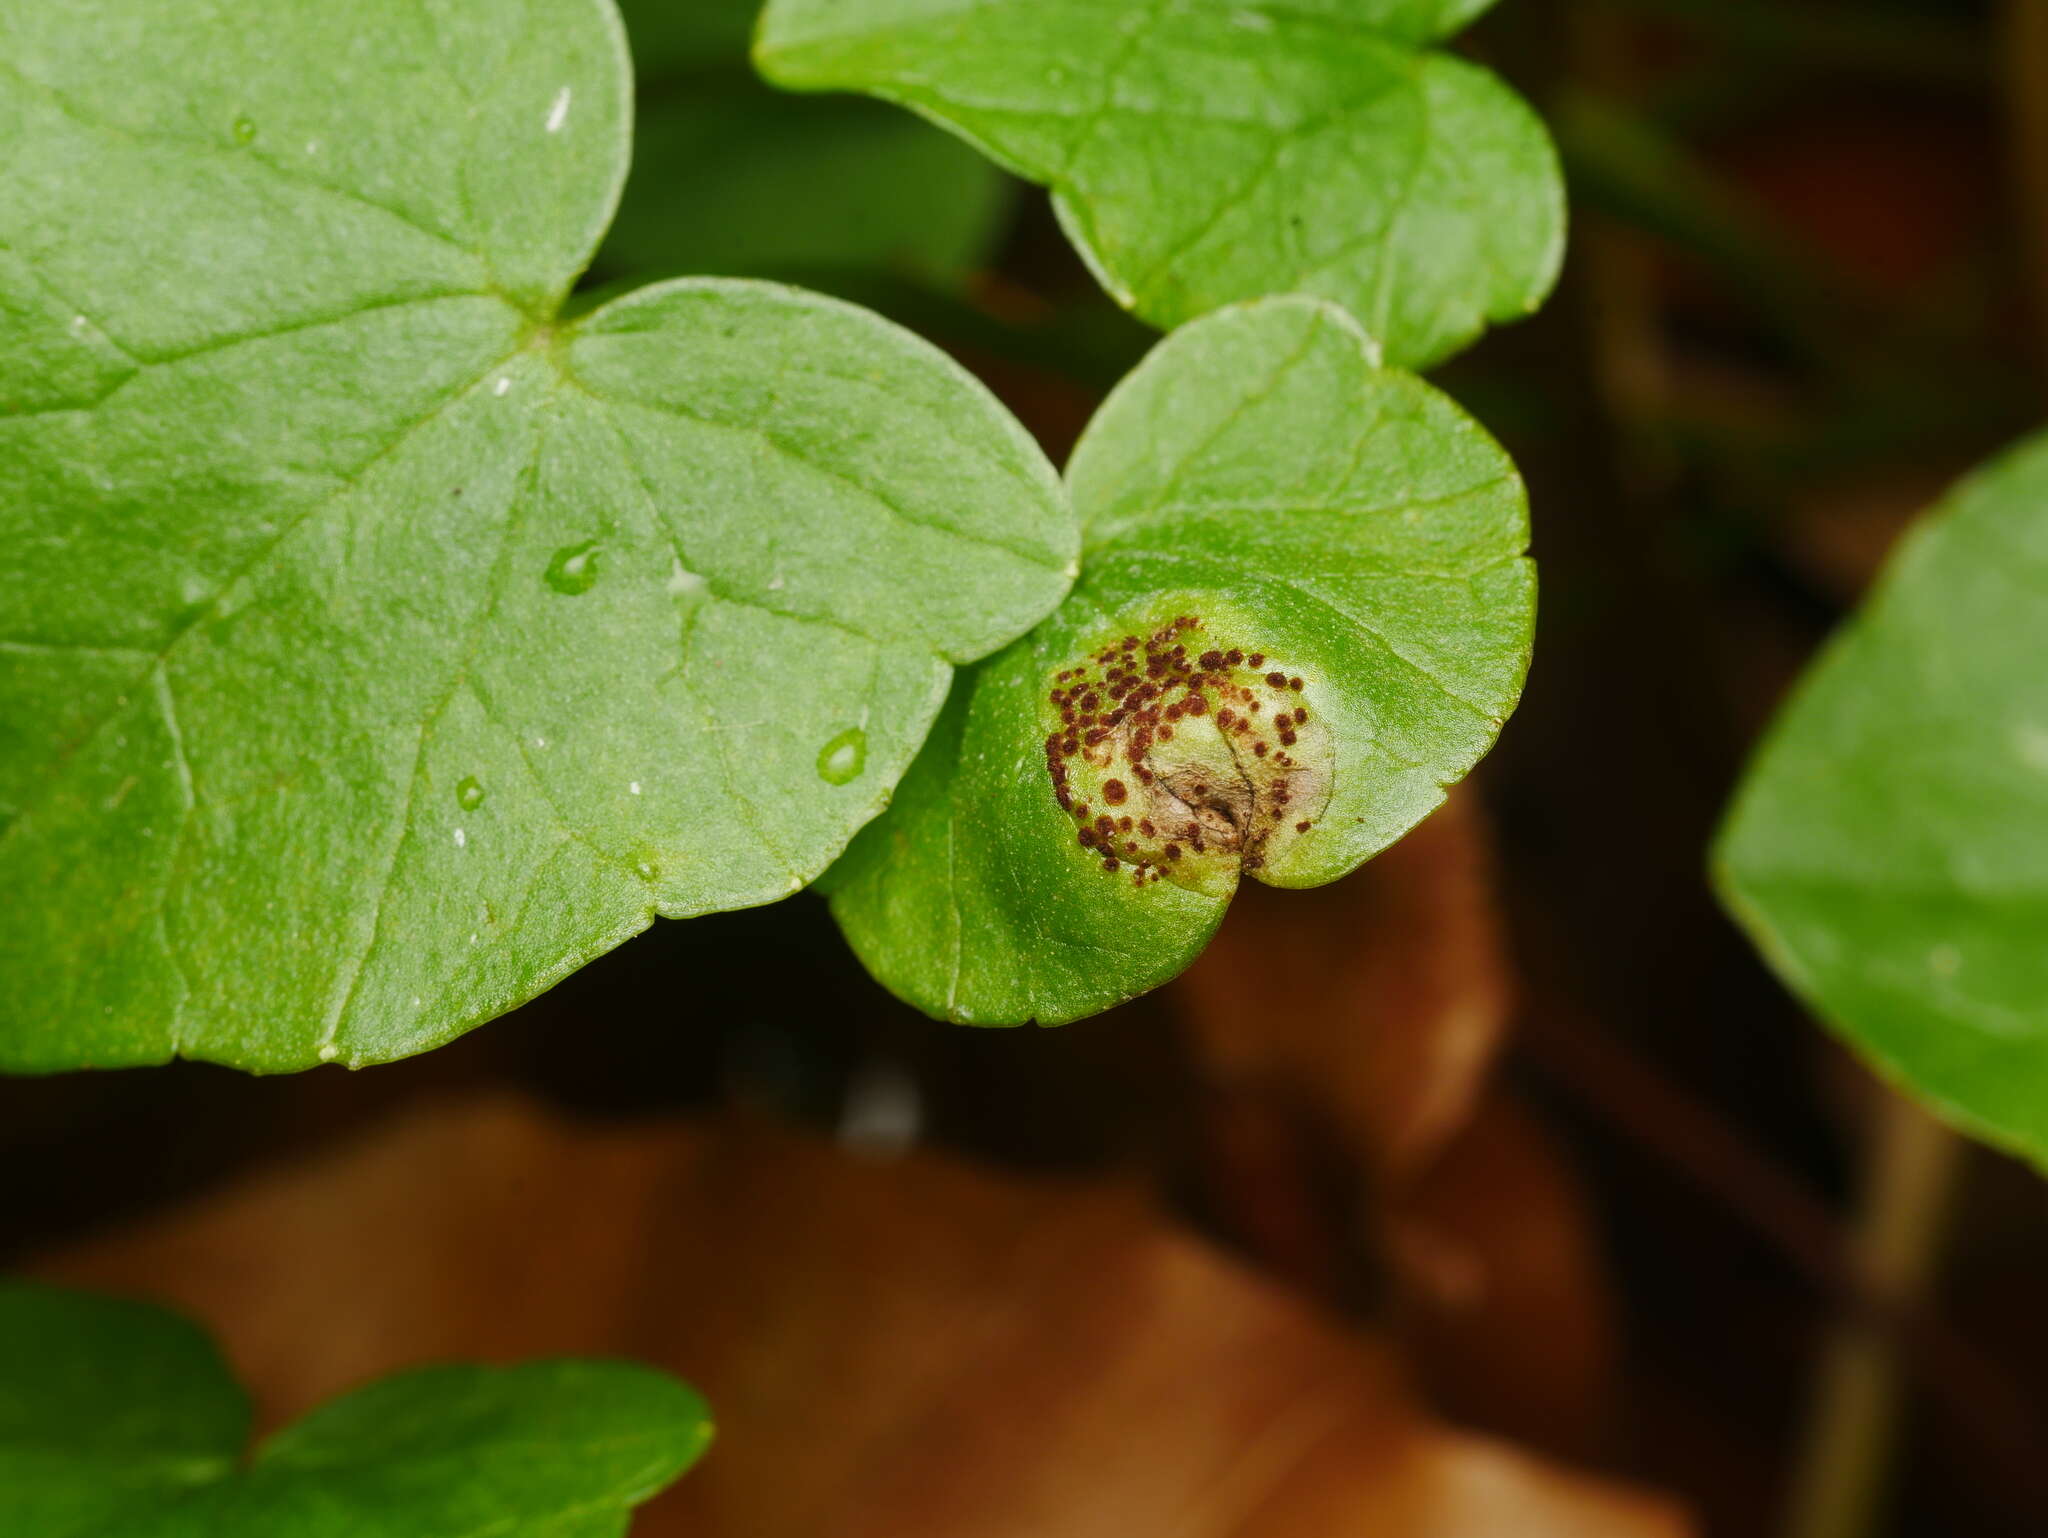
[
  {"x": 469, "y": 793},
  {"x": 245, "y": 131},
  {"x": 574, "y": 568},
  {"x": 461, "y": 839},
  {"x": 840, "y": 761}
]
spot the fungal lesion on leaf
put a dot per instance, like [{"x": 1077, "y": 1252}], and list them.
[{"x": 1184, "y": 755}]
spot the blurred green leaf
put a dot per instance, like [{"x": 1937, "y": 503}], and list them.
[
  {"x": 1888, "y": 848},
  {"x": 120, "y": 1421},
  {"x": 733, "y": 178}
]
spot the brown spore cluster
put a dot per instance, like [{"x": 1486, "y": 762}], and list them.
[{"x": 1174, "y": 753}]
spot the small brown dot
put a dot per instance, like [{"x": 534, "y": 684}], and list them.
[
  {"x": 1257, "y": 659},
  {"x": 1165, "y": 733},
  {"x": 1196, "y": 705},
  {"x": 1259, "y": 747},
  {"x": 1301, "y": 827},
  {"x": 1173, "y": 851},
  {"x": 1277, "y": 680},
  {"x": 1145, "y": 826},
  {"x": 1233, "y": 656},
  {"x": 1286, "y": 739},
  {"x": 1114, "y": 792},
  {"x": 1085, "y": 838},
  {"x": 1105, "y": 825},
  {"x": 1211, "y": 659},
  {"x": 1111, "y": 864},
  {"x": 1123, "y": 824},
  {"x": 1300, "y": 715},
  {"x": 1081, "y": 810},
  {"x": 1295, "y": 683}
]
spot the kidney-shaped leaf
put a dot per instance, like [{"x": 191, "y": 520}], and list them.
[
  {"x": 1207, "y": 151},
  {"x": 1888, "y": 849},
  {"x": 120, "y": 1421},
  {"x": 375, "y": 646},
  {"x": 1305, "y": 610}
]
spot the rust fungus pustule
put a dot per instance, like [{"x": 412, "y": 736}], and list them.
[{"x": 1213, "y": 756}]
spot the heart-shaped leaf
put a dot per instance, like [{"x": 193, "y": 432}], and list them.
[
  {"x": 1888, "y": 849},
  {"x": 119, "y": 1420},
  {"x": 1206, "y": 151},
  {"x": 1304, "y": 611},
  {"x": 376, "y": 646}
]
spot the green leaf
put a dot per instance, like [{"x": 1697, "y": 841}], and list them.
[
  {"x": 119, "y": 1420},
  {"x": 1206, "y": 151},
  {"x": 107, "y": 1408},
  {"x": 1314, "y": 534},
  {"x": 1888, "y": 848},
  {"x": 731, "y": 177},
  {"x": 376, "y": 648}
]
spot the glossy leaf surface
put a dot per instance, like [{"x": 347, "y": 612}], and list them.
[
  {"x": 1206, "y": 151},
  {"x": 1328, "y": 556},
  {"x": 376, "y": 647}
]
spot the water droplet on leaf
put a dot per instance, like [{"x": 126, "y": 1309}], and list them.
[
  {"x": 469, "y": 793},
  {"x": 840, "y": 761},
  {"x": 574, "y": 568},
  {"x": 245, "y": 131}
]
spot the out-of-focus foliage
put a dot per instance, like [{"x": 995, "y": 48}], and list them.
[
  {"x": 732, "y": 177},
  {"x": 1889, "y": 847},
  {"x": 119, "y": 1420}
]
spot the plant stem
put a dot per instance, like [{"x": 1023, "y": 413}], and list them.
[{"x": 1911, "y": 1165}]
